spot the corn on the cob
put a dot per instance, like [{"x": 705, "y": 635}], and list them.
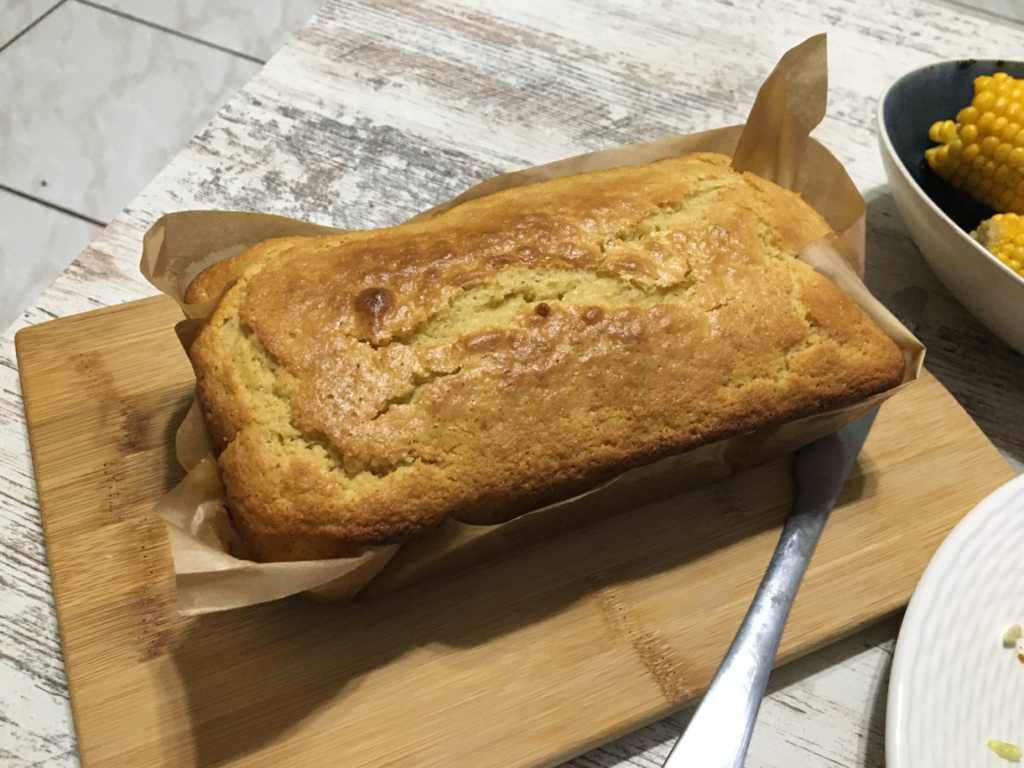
[
  {"x": 1003, "y": 235},
  {"x": 982, "y": 153}
]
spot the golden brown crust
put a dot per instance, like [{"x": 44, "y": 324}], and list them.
[
  {"x": 213, "y": 280},
  {"x": 517, "y": 350}
]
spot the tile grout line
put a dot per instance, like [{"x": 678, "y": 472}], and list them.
[
  {"x": 14, "y": 39},
  {"x": 169, "y": 31},
  {"x": 975, "y": 10},
  {"x": 54, "y": 206}
]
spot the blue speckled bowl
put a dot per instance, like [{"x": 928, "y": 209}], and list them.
[{"x": 940, "y": 217}]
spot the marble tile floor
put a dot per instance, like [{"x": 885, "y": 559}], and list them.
[{"x": 95, "y": 98}]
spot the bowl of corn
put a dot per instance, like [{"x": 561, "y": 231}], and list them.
[{"x": 952, "y": 141}]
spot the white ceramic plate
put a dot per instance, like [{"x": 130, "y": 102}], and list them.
[{"x": 953, "y": 684}]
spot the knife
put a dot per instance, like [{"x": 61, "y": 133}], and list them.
[{"x": 720, "y": 731}]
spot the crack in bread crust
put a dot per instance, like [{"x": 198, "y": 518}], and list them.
[{"x": 516, "y": 350}]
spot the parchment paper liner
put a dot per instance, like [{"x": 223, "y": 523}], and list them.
[{"x": 774, "y": 144}]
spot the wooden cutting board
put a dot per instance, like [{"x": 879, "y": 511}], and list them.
[{"x": 524, "y": 662}]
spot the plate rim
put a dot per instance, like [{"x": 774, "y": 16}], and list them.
[{"x": 972, "y": 522}]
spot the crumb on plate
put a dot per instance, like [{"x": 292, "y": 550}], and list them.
[
  {"x": 1012, "y": 635},
  {"x": 1005, "y": 750}
]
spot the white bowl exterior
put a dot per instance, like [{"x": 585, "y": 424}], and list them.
[
  {"x": 953, "y": 685},
  {"x": 988, "y": 289}
]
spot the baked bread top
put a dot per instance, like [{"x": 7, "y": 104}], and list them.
[{"x": 516, "y": 350}]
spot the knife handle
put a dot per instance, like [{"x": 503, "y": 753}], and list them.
[{"x": 720, "y": 731}]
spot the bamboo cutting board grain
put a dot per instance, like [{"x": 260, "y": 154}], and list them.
[{"x": 524, "y": 662}]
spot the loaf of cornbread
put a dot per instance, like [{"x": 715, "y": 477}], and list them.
[{"x": 516, "y": 350}]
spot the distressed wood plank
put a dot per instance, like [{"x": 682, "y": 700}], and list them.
[{"x": 376, "y": 110}]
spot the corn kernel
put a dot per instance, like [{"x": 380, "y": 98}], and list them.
[
  {"x": 985, "y": 122},
  {"x": 969, "y": 133},
  {"x": 935, "y": 132},
  {"x": 1016, "y": 157},
  {"x": 1015, "y": 111},
  {"x": 1005, "y": 750},
  {"x": 967, "y": 116},
  {"x": 989, "y": 145},
  {"x": 1009, "y": 133}
]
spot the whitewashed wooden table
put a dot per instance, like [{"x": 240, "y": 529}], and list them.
[{"x": 381, "y": 108}]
